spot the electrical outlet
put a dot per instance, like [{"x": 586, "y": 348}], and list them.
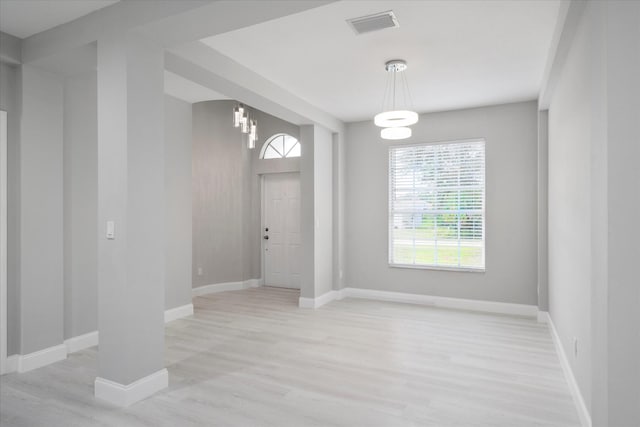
[
  {"x": 199, "y": 271},
  {"x": 575, "y": 347}
]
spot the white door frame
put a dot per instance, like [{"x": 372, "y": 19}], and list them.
[
  {"x": 262, "y": 224},
  {"x": 262, "y": 244},
  {"x": 3, "y": 242}
]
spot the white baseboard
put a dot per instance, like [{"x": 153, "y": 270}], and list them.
[
  {"x": 543, "y": 317},
  {"x": 578, "y": 400},
  {"x": 445, "y": 302},
  {"x": 227, "y": 286},
  {"x": 47, "y": 356},
  {"x": 217, "y": 287},
  {"x": 81, "y": 342},
  {"x": 254, "y": 283},
  {"x": 178, "y": 313},
  {"x": 319, "y": 301},
  {"x": 126, "y": 395},
  {"x": 41, "y": 358},
  {"x": 11, "y": 364},
  {"x": 434, "y": 301}
]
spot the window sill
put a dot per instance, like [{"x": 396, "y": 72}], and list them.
[{"x": 440, "y": 268}]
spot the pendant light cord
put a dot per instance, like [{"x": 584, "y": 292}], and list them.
[
  {"x": 391, "y": 92},
  {"x": 405, "y": 79},
  {"x": 386, "y": 93},
  {"x": 393, "y": 102}
]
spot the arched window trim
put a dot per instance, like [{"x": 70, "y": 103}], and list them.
[{"x": 268, "y": 142}]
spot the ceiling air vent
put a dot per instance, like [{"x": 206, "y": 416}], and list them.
[{"x": 375, "y": 22}]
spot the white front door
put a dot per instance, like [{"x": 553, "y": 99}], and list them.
[{"x": 281, "y": 230}]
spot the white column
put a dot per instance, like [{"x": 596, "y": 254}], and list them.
[
  {"x": 307, "y": 214},
  {"x": 131, "y": 195},
  {"x": 316, "y": 193},
  {"x": 323, "y": 210}
]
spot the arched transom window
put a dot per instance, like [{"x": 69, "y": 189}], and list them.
[{"x": 280, "y": 146}]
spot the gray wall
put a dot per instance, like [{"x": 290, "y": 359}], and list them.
[
  {"x": 219, "y": 163},
  {"x": 80, "y": 205},
  {"x": 74, "y": 99},
  {"x": 510, "y": 132},
  {"x": 543, "y": 209},
  {"x": 10, "y": 102},
  {"x": 593, "y": 200},
  {"x": 569, "y": 208},
  {"x": 177, "y": 132},
  {"x": 227, "y": 193},
  {"x": 10, "y": 49},
  {"x": 621, "y": 22},
  {"x": 41, "y": 210}
]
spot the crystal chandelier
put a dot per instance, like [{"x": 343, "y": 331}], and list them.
[{"x": 247, "y": 125}]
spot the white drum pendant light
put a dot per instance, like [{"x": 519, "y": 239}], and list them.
[
  {"x": 395, "y": 133},
  {"x": 393, "y": 119},
  {"x": 390, "y": 119}
]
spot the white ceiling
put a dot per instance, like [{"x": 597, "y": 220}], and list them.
[
  {"x": 24, "y": 18},
  {"x": 460, "y": 53}
]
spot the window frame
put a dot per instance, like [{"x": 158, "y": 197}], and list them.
[
  {"x": 484, "y": 211},
  {"x": 272, "y": 138}
]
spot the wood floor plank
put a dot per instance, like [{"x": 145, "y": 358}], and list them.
[{"x": 253, "y": 358}]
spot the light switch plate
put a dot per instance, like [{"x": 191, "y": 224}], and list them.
[{"x": 111, "y": 230}]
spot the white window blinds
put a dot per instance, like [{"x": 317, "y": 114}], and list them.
[{"x": 436, "y": 205}]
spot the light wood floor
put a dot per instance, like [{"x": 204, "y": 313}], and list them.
[{"x": 253, "y": 358}]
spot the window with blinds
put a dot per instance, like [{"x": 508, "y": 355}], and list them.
[{"x": 436, "y": 205}]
